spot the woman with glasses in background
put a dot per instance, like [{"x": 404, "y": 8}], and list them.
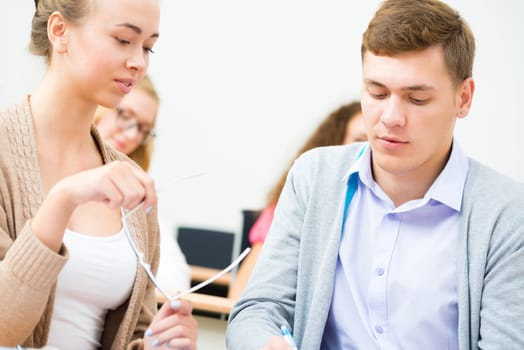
[{"x": 129, "y": 128}]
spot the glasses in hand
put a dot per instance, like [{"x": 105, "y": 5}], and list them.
[
  {"x": 126, "y": 120},
  {"x": 147, "y": 267}
]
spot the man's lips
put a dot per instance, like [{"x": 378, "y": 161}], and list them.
[
  {"x": 391, "y": 143},
  {"x": 391, "y": 139}
]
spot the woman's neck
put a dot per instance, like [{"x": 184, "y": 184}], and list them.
[{"x": 62, "y": 119}]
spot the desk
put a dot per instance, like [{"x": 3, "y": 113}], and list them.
[
  {"x": 206, "y": 303},
  {"x": 200, "y": 274}
]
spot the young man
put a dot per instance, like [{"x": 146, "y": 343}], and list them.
[{"x": 402, "y": 243}]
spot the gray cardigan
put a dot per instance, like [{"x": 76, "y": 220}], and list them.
[{"x": 292, "y": 283}]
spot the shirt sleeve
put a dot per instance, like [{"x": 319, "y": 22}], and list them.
[{"x": 28, "y": 272}]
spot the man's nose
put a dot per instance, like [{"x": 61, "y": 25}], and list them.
[{"x": 393, "y": 113}]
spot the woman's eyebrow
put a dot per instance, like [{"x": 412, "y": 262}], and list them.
[{"x": 136, "y": 29}]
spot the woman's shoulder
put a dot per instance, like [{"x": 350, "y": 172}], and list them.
[
  {"x": 16, "y": 130},
  {"x": 15, "y": 115}
]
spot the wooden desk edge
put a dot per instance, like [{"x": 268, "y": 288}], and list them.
[
  {"x": 205, "y": 302},
  {"x": 200, "y": 273}
]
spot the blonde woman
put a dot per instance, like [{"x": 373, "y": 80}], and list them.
[{"x": 68, "y": 277}]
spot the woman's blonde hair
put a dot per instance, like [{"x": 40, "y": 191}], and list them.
[
  {"x": 72, "y": 10},
  {"x": 143, "y": 153}
]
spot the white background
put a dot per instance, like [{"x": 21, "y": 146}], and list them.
[{"x": 244, "y": 82}]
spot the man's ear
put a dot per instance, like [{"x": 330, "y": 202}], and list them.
[
  {"x": 57, "y": 31},
  {"x": 466, "y": 91}
]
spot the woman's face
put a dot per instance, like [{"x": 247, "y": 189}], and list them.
[
  {"x": 130, "y": 124},
  {"x": 355, "y": 130},
  {"x": 107, "y": 53}
]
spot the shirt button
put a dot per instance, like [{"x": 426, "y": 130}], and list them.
[
  {"x": 379, "y": 329},
  {"x": 392, "y": 216},
  {"x": 379, "y": 271}
]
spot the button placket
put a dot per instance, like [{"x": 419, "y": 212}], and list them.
[{"x": 377, "y": 292}]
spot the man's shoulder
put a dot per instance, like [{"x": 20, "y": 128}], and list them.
[
  {"x": 490, "y": 180},
  {"x": 486, "y": 185},
  {"x": 341, "y": 156},
  {"x": 324, "y": 168}
]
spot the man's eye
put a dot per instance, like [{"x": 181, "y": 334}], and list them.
[{"x": 418, "y": 101}]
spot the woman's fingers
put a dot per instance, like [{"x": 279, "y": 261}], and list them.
[
  {"x": 173, "y": 326},
  {"x": 180, "y": 306},
  {"x": 118, "y": 184},
  {"x": 130, "y": 183}
]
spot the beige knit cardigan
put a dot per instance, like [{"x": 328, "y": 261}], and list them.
[{"x": 29, "y": 269}]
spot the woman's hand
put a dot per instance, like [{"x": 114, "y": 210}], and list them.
[
  {"x": 173, "y": 327},
  {"x": 117, "y": 184}
]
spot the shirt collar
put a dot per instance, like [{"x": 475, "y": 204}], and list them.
[
  {"x": 359, "y": 161},
  {"x": 447, "y": 187}
]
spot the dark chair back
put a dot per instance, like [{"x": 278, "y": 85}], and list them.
[
  {"x": 205, "y": 247},
  {"x": 248, "y": 219}
]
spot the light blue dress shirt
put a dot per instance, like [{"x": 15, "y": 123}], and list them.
[{"x": 395, "y": 283}]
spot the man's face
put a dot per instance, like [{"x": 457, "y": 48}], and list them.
[{"x": 410, "y": 106}]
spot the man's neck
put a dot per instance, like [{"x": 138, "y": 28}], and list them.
[{"x": 403, "y": 187}]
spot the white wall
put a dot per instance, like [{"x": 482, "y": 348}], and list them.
[{"x": 243, "y": 82}]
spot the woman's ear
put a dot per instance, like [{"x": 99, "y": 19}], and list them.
[{"x": 57, "y": 31}]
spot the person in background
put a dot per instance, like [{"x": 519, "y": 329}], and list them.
[
  {"x": 343, "y": 126},
  {"x": 405, "y": 242},
  {"x": 68, "y": 276},
  {"x": 130, "y": 129}
]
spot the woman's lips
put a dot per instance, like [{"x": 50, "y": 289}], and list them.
[
  {"x": 124, "y": 85},
  {"x": 118, "y": 145}
]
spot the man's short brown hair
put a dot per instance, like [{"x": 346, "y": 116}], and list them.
[{"x": 413, "y": 25}]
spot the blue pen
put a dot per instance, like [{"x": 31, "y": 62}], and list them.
[{"x": 289, "y": 338}]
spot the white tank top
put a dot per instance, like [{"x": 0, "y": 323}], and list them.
[{"x": 98, "y": 276}]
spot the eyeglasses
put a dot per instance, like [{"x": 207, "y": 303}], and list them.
[
  {"x": 125, "y": 120},
  {"x": 147, "y": 267}
]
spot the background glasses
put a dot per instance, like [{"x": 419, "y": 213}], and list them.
[{"x": 125, "y": 120}]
